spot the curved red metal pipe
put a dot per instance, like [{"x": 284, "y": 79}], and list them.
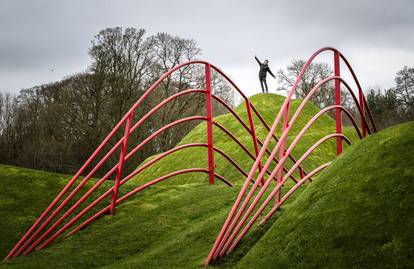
[
  {"x": 140, "y": 169},
  {"x": 151, "y": 137},
  {"x": 277, "y": 147},
  {"x": 131, "y": 193},
  {"x": 262, "y": 120},
  {"x": 224, "y": 129},
  {"x": 272, "y": 194},
  {"x": 97, "y": 184},
  {"x": 18, "y": 249},
  {"x": 233, "y": 222},
  {"x": 248, "y": 129},
  {"x": 245, "y": 127},
  {"x": 248, "y": 226},
  {"x": 104, "y": 142}
]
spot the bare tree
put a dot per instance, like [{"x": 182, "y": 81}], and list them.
[
  {"x": 56, "y": 126},
  {"x": 315, "y": 73},
  {"x": 404, "y": 90}
]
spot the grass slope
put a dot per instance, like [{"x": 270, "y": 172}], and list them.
[
  {"x": 358, "y": 213},
  {"x": 23, "y": 193},
  {"x": 169, "y": 225},
  {"x": 268, "y": 106}
]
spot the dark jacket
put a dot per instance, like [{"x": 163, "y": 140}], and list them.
[{"x": 264, "y": 68}]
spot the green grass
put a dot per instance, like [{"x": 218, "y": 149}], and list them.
[
  {"x": 268, "y": 106},
  {"x": 359, "y": 213},
  {"x": 23, "y": 193},
  {"x": 170, "y": 225}
]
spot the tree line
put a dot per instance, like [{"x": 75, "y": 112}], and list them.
[
  {"x": 57, "y": 126},
  {"x": 396, "y": 104}
]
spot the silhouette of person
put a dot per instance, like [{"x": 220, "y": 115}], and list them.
[{"x": 264, "y": 68}]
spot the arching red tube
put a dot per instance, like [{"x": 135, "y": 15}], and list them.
[
  {"x": 226, "y": 234},
  {"x": 260, "y": 156},
  {"x": 97, "y": 184},
  {"x": 247, "y": 129},
  {"x": 152, "y": 136},
  {"x": 248, "y": 226},
  {"x": 244, "y": 147},
  {"x": 126, "y": 196},
  {"x": 274, "y": 136},
  {"x": 140, "y": 169},
  {"x": 231, "y": 223},
  {"x": 271, "y": 195}
]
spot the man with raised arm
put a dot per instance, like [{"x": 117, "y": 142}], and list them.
[{"x": 264, "y": 68}]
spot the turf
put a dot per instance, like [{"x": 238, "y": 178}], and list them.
[
  {"x": 268, "y": 106},
  {"x": 358, "y": 213},
  {"x": 171, "y": 225}
]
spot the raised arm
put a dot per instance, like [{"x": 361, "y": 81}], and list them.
[{"x": 257, "y": 60}]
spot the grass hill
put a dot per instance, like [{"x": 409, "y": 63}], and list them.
[
  {"x": 171, "y": 225},
  {"x": 359, "y": 213},
  {"x": 268, "y": 106}
]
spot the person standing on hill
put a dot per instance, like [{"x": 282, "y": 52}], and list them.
[{"x": 264, "y": 68}]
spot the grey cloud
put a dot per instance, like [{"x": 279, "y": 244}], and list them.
[{"x": 45, "y": 34}]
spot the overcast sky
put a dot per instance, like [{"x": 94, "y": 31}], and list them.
[{"x": 44, "y": 41}]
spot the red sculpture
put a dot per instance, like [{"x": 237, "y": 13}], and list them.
[{"x": 235, "y": 227}]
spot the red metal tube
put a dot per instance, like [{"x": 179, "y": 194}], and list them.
[
  {"x": 248, "y": 226},
  {"x": 244, "y": 147},
  {"x": 67, "y": 199},
  {"x": 212, "y": 255},
  {"x": 225, "y": 236},
  {"x": 92, "y": 157},
  {"x": 282, "y": 148},
  {"x": 145, "y": 166},
  {"x": 225, "y": 229},
  {"x": 16, "y": 251},
  {"x": 253, "y": 132},
  {"x": 96, "y": 152},
  {"x": 131, "y": 193},
  {"x": 209, "y": 108},
  {"x": 362, "y": 105},
  {"x": 272, "y": 194},
  {"x": 87, "y": 194},
  {"x": 291, "y": 191},
  {"x": 338, "y": 114},
  {"x": 121, "y": 163},
  {"x": 140, "y": 169}
]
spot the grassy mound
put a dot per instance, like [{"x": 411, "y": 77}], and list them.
[
  {"x": 23, "y": 193},
  {"x": 357, "y": 214},
  {"x": 173, "y": 224},
  {"x": 268, "y": 106}
]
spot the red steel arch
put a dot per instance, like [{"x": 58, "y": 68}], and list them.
[
  {"x": 43, "y": 231},
  {"x": 233, "y": 228},
  {"x": 46, "y": 229}
]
